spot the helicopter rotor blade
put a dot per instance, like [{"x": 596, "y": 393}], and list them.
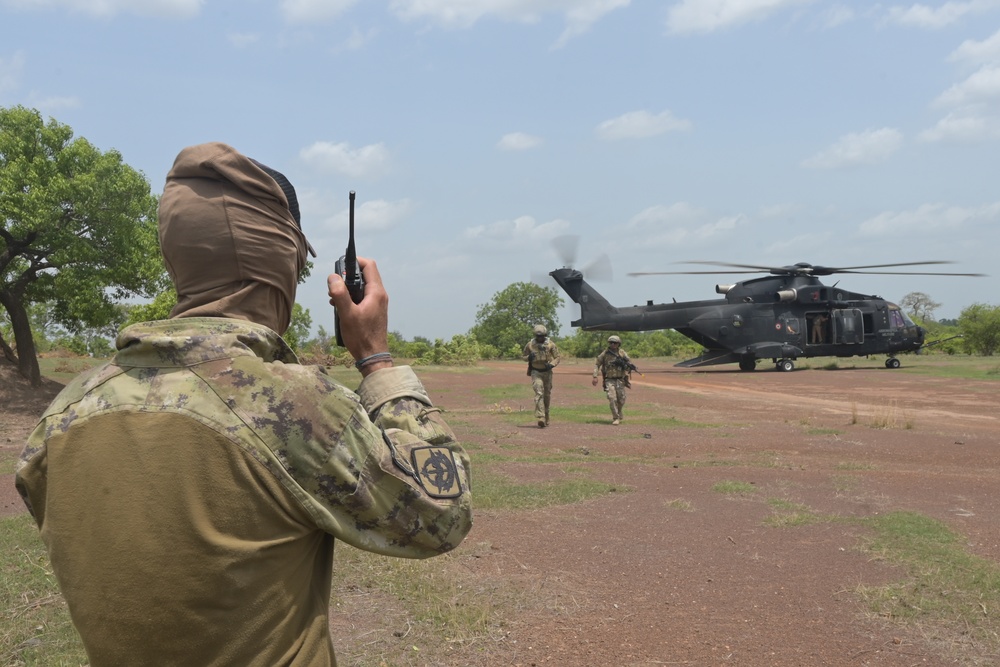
[
  {"x": 598, "y": 269},
  {"x": 683, "y": 273},
  {"x": 913, "y": 273},
  {"x": 805, "y": 269},
  {"x": 542, "y": 279},
  {"x": 566, "y": 247}
]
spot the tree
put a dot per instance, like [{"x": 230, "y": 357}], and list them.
[
  {"x": 505, "y": 323},
  {"x": 919, "y": 306},
  {"x": 77, "y": 228},
  {"x": 297, "y": 334},
  {"x": 980, "y": 325},
  {"x": 157, "y": 309}
]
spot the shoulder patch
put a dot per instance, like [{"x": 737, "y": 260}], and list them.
[{"x": 436, "y": 471}]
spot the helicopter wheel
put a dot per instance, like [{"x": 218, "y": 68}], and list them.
[
  {"x": 748, "y": 364},
  {"x": 786, "y": 365},
  {"x": 892, "y": 362}
]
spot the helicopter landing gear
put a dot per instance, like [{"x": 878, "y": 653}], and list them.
[
  {"x": 892, "y": 362},
  {"x": 785, "y": 365},
  {"x": 748, "y": 364}
]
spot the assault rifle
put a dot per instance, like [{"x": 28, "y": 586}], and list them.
[{"x": 626, "y": 365}]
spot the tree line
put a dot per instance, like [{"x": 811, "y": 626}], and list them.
[{"x": 80, "y": 259}]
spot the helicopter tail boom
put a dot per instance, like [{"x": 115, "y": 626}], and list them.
[{"x": 596, "y": 312}]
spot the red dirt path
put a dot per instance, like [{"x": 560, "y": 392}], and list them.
[{"x": 672, "y": 572}]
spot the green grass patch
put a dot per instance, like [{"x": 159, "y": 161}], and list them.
[
  {"x": 680, "y": 505},
  {"x": 493, "y": 491},
  {"x": 63, "y": 369},
  {"x": 945, "y": 586},
  {"x": 765, "y": 459},
  {"x": 789, "y": 514},
  {"x": 431, "y": 605},
  {"x": 35, "y": 627},
  {"x": 507, "y": 392},
  {"x": 734, "y": 488},
  {"x": 485, "y": 459},
  {"x": 8, "y": 461},
  {"x": 822, "y": 431},
  {"x": 854, "y": 465}
]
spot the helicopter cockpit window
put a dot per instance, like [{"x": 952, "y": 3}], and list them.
[{"x": 898, "y": 318}]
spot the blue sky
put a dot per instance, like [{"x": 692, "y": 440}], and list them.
[{"x": 762, "y": 132}]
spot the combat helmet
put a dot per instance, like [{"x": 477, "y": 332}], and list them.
[
  {"x": 540, "y": 330},
  {"x": 614, "y": 339}
]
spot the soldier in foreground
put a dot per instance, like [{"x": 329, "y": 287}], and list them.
[
  {"x": 615, "y": 368},
  {"x": 542, "y": 356},
  {"x": 189, "y": 492}
]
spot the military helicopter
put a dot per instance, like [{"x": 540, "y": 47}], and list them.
[{"x": 783, "y": 316}]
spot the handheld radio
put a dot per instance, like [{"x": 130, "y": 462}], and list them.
[{"x": 347, "y": 267}]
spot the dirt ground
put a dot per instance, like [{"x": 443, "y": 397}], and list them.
[{"x": 672, "y": 572}]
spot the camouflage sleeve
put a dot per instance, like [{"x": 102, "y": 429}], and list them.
[
  {"x": 378, "y": 469},
  {"x": 526, "y": 354},
  {"x": 413, "y": 493},
  {"x": 598, "y": 364},
  {"x": 555, "y": 354}
]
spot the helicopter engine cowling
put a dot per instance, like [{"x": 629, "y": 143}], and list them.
[
  {"x": 790, "y": 294},
  {"x": 723, "y": 289}
]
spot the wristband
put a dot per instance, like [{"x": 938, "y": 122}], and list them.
[{"x": 378, "y": 356}]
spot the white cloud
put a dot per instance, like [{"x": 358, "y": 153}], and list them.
[
  {"x": 365, "y": 162},
  {"x": 641, "y": 124},
  {"x": 711, "y": 15},
  {"x": 837, "y": 16},
  {"x": 518, "y": 233},
  {"x": 51, "y": 104},
  {"x": 924, "y": 16},
  {"x": 976, "y": 52},
  {"x": 178, "y": 9},
  {"x": 868, "y": 147},
  {"x": 579, "y": 19},
  {"x": 580, "y": 15},
  {"x": 972, "y": 103},
  {"x": 969, "y": 124},
  {"x": 357, "y": 39},
  {"x": 311, "y": 11},
  {"x": 377, "y": 215},
  {"x": 679, "y": 223},
  {"x": 325, "y": 217},
  {"x": 11, "y": 69},
  {"x": 518, "y": 141},
  {"x": 930, "y": 219},
  {"x": 983, "y": 85},
  {"x": 242, "y": 39}
]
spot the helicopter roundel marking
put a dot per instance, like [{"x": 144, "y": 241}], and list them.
[{"x": 777, "y": 326}]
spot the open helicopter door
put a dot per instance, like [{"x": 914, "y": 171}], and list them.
[{"x": 848, "y": 326}]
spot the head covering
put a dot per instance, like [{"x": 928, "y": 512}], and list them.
[
  {"x": 540, "y": 330},
  {"x": 614, "y": 339},
  {"x": 230, "y": 237}
]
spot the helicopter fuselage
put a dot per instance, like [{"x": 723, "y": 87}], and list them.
[{"x": 779, "y": 317}]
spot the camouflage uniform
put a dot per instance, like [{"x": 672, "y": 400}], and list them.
[
  {"x": 204, "y": 469},
  {"x": 542, "y": 356},
  {"x": 613, "y": 367}
]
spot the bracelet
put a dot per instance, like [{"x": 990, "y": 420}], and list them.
[{"x": 378, "y": 356}]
